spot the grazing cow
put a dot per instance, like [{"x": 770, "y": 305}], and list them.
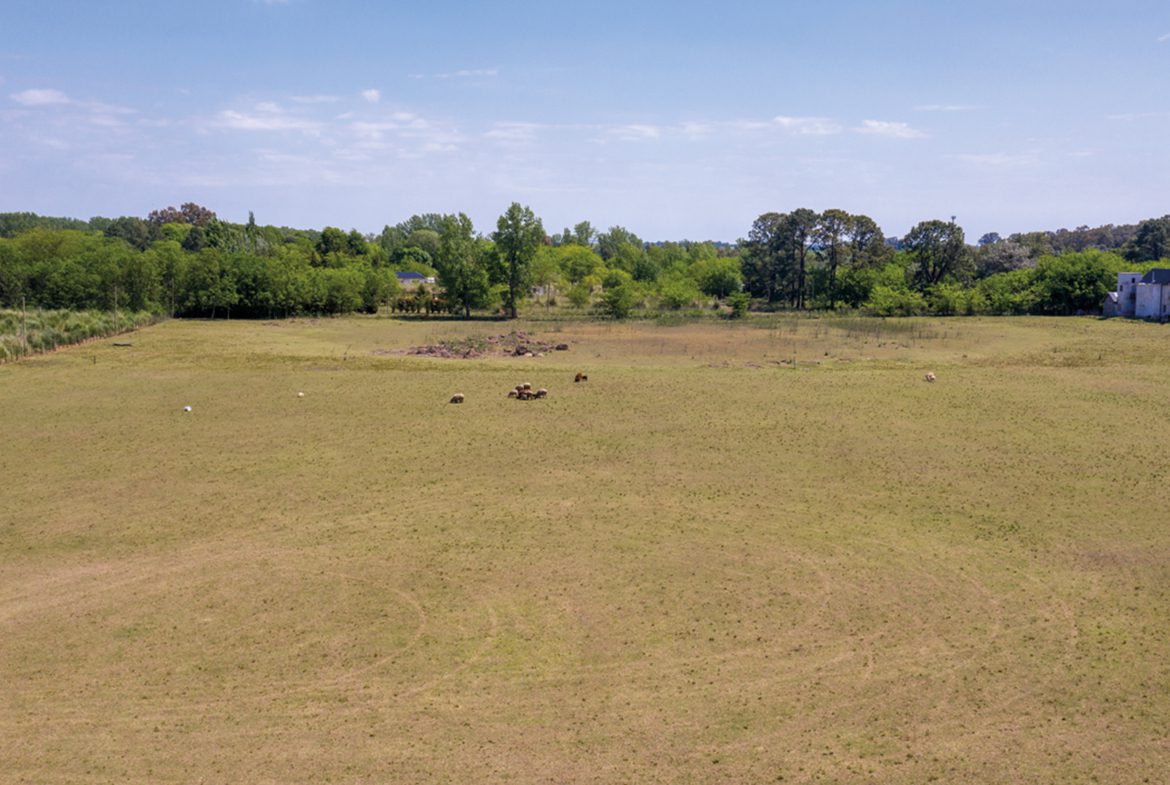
[
  {"x": 513, "y": 393},
  {"x": 580, "y": 377},
  {"x": 457, "y": 398},
  {"x": 542, "y": 393},
  {"x": 929, "y": 377},
  {"x": 527, "y": 385}
]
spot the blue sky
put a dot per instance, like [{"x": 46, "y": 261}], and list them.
[{"x": 676, "y": 120}]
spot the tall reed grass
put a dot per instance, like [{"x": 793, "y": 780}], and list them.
[{"x": 43, "y": 331}]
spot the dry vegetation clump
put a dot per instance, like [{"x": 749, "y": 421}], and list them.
[
  {"x": 515, "y": 344},
  {"x": 43, "y": 331}
]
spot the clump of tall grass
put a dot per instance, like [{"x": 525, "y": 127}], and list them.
[{"x": 42, "y": 331}]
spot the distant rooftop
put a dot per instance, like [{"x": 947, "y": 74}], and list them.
[
  {"x": 411, "y": 276},
  {"x": 1159, "y": 275}
]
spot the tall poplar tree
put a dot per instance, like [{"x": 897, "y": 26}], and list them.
[{"x": 518, "y": 236}]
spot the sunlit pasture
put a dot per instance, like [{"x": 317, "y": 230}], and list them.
[{"x": 740, "y": 552}]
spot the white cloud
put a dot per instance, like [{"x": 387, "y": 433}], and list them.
[
  {"x": 750, "y": 125},
  {"x": 409, "y": 119},
  {"x": 1164, "y": 38},
  {"x": 946, "y": 108},
  {"x": 266, "y": 120},
  {"x": 108, "y": 121},
  {"x": 41, "y": 98},
  {"x": 893, "y": 130},
  {"x": 372, "y": 96},
  {"x": 463, "y": 73},
  {"x": 696, "y": 131},
  {"x": 634, "y": 132},
  {"x": 998, "y": 160},
  {"x": 514, "y": 132},
  {"x": 314, "y": 99},
  {"x": 467, "y": 73},
  {"x": 807, "y": 126}
]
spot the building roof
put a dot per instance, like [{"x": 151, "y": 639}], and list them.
[
  {"x": 1157, "y": 275},
  {"x": 1112, "y": 296},
  {"x": 410, "y": 276}
]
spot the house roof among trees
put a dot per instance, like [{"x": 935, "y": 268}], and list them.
[{"x": 1159, "y": 275}]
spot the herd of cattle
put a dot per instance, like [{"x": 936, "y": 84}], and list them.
[{"x": 524, "y": 391}]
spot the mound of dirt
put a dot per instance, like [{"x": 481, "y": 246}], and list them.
[{"x": 514, "y": 344}]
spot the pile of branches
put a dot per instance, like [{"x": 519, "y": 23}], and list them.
[{"x": 514, "y": 344}]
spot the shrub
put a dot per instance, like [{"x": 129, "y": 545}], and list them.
[
  {"x": 885, "y": 301},
  {"x": 739, "y": 302},
  {"x": 617, "y": 302},
  {"x": 48, "y": 330},
  {"x": 579, "y": 296},
  {"x": 677, "y": 292}
]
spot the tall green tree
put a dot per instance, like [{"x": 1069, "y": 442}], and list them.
[
  {"x": 764, "y": 269},
  {"x": 938, "y": 251},
  {"x": 546, "y": 273},
  {"x": 332, "y": 242},
  {"x": 518, "y": 236},
  {"x": 577, "y": 261},
  {"x": 717, "y": 277},
  {"x": 459, "y": 261},
  {"x": 1152, "y": 242},
  {"x": 611, "y": 244},
  {"x": 831, "y": 236},
  {"x": 802, "y": 227},
  {"x": 867, "y": 244},
  {"x": 584, "y": 233}
]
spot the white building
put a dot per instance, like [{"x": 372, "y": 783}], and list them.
[{"x": 1141, "y": 296}]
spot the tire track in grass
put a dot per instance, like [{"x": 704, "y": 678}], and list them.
[
  {"x": 488, "y": 641},
  {"x": 99, "y": 592}
]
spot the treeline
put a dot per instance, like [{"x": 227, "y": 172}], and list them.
[
  {"x": 186, "y": 262},
  {"x": 806, "y": 259}
]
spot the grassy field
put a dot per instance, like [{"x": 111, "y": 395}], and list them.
[{"x": 739, "y": 553}]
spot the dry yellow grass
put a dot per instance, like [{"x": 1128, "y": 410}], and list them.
[{"x": 705, "y": 564}]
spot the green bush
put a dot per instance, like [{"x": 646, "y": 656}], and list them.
[
  {"x": 617, "y": 302},
  {"x": 739, "y": 302},
  {"x": 579, "y": 296},
  {"x": 677, "y": 292},
  {"x": 886, "y": 301}
]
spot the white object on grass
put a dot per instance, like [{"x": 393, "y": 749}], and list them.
[{"x": 186, "y": 408}]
